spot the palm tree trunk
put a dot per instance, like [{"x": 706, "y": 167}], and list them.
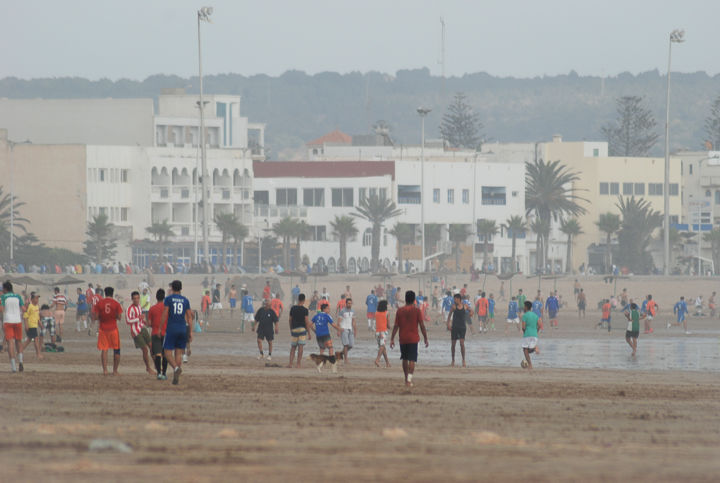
[
  {"x": 457, "y": 256},
  {"x": 224, "y": 253},
  {"x": 608, "y": 254},
  {"x": 375, "y": 247},
  {"x": 342, "y": 263},
  {"x": 546, "y": 249},
  {"x": 538, "y": 251},
  {"x": 514, "y": 262},
  {"x": 568, "y": 257},
  {"x": 485, "y": 254},
  {"x": 400, "y": 257},
  {"x": 286, "y": 252},
  {"x": 297, "y": 253}
]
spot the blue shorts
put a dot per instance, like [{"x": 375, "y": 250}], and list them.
[
  {"x": 552, "y": 314},
  {"x": 680, "y": 318},
  {"x": 175, "y": 340},
  {"x": 233, "y": 302}
]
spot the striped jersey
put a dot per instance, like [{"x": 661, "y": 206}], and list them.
[
  {"x": 60, "y": 301},
  {"x": 134, "y": 318}
]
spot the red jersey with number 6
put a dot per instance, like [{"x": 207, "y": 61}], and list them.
[{"x": 108, "y": 310}]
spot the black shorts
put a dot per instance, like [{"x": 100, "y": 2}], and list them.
[
  {"x": 632, "y": 334},
  {"x": 458, "y": 333},
  {"x": 265, "y": 331},
  {"x": 32, "y": 333},
  {"x": 322, "y": 341},
  {"x": 408, "y": 352},
  {"x": 157, "y": 344}
]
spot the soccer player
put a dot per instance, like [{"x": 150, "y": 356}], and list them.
[
  {"x": 371, "y": 301},
  {"x": 232, "y": 299},
  {"x": 650, "y": 311},
  {"x": 407, "y": 321},
  {"x": 135, "y": 319},
  {"x": 93, "y": 300},
  {"x": 205, "y": 304},
  {"x": 491, "y": 312},
  {"x": 277, "y": 306},
  {"x": 32, "y": 319},
  {"x": 681, "y": 310},
  {"x": 340, "y": 305},
  {"x": 266, "y": 290},
  {"x": 155, "y": 317},
  {"x": 512, "y": 314},
  {"x": 59, "y": 305},
  {"x": 581, "y": 303},
  {"x": 521, "y": 299},
  {"x": 248, "y": 311},
  {"x": 552, "y": 305},
  {"x": 381, "y": 324},
  {"x": 349, "y": 328},
  {"x": 633, "y": 330},
  {"x": 177, "y": 317},
  {"x": 81, "y": 312},
  {"x": 321, "y": 323},
  {"x": 605, "y": 314},
  {"x": 481, "y": 306},
  {"x": 299, "y": 329},
  {"x": 266, "y": 318},
  {"x": 456, "y": 324},
  {"x": 447, "y": 303},
  {"x": 537, "y": 307},
  {"x": 216, "y": 302},
  {"x": 12, "y": 307},
  {"x": 530, "y": 333},
  {"x": 108, "y": 312}
]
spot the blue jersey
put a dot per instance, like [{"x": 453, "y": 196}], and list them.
[
  {"x": 247, "y": 304},
  {"x": 295, "y": 291},
  {"x": 82, "y": 302},
  {"x": 177, "y": 305},
  {"x": 512, "y": 310},
  {"x": 491, "y": 306},
  {"x": 537, "y": 307},
  {"x": 680, "y": 308},
  {"x": 322, "y": 323},
  {"x": 447, "y": 303},
  {"x": 643, "y": 308},
  {"x": 551, "y": 304},
  {"x": 371, "y": 301}
]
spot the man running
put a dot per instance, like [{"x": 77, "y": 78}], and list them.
[
  {"x": 299, "y": 329},
  {"x": 177, "y": 317},
  {"x": 371, "y": 302},
  {"x": 407, "y": 320},
  {"x": 81, "y": 312},
  {"x": 155, "y": 317},
  {"x": 456, "y": 324},
  {"x": 513, "y": 317},
  {"x": 322, "y": 321},
  {"x": 135, "y": 319},
  {"x": 108, "y": 312},
  {"x": 552, "y": 305},
  {"x": 530, "y": 333},
  {"x": 681, "y": 310},
  {"x": 248, "y": 311},
  {"x": 650, "y": 311},
  {"x": 481, "y": 306},
  {"x": 349, "y": 328},
  {"x": 59, "y": 305},
  {"x": 12, "y": 307},
  {"x": 267, "y": 327},
  {"x": 232, "y": 299},
  {"x": 277, "y": 306}
]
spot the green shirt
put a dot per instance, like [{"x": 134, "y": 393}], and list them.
[
  {"x": 531, "y": 320},
  {"x": 634, "y": 321},
  {"x": 521, "y": 302}
]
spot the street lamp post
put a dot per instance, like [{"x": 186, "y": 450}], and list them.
[
  {"x": 676, "y": 36},
  {"x": 203, "y": 15},
  {"x": 423, "y": 112}
]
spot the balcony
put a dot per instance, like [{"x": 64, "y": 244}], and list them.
[
  {"x": 710, "y": 181},
  {"x": 275, "y": 211}
]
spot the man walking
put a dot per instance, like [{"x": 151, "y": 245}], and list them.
[
  {"x": 157, "y": 335},
  {"x": 177, "y": 317},
  {"x": 299, "y": 329},
  {"x": 12, "y": 308},
  {"x": 348, "y": 328},
  {"x": 371, "y": 301},
  {"x": 135, "y": 319},
  {"x": 407, "y": 321},
  {"x": 108, "y": 312},
  {"x": 267, "y": 327},
  {"x": 457, "y": 327}
]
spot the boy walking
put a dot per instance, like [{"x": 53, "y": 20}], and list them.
[{"x": 407, "y": 321}]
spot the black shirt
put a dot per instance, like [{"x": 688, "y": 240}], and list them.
[
  {"x": 216, "y": 296},
  {"x": 265, "y": 317},
  {"x": 298, "y": 313},
  {"x": 459, "y": 317}
]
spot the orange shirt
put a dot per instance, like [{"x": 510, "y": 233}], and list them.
[
  {"x": 340, "y": 305},
  {"x": 606, "y": 311},
  {"x": 381, "y": 322},
  {"x": 482, "y": 306},
  {"x": 276, "y": 305},
  {"x": 651, "y": 307},
  {"x": 205, "y": 303}
]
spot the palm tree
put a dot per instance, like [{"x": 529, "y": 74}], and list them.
[
  {"x": 609, "y": 224},
  {"x": 302, "y": 230},
  {"x": 458, "y": 233},
  {"x": 18, "y": 224},
  {"x": 539, "y": 227},
  {"x": 433, "y": 234},
  {"x": 162, "y": 232},
  {"x": 486, "y": 229},
  {"x": 100, "y": 241},
  {"x": 239, "y": 233},
  {"x": 404, "y": 234},
  {"x": 343, "y": 227},
  {"x": 377, "y": 210},
  {"x": 572, "y": 229},
  {"x": 549, "y": 194},
  {"x": 639, "y": 221},
  {"x": 714, "y": 239},
  {"x": 285, "y": 229},
  {"x": 226, "y": 223},
  {"x": 516, "y": 225}
]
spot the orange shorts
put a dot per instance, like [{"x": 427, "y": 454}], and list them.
[
  {"x": 13, "y": 331},
  {"x": 108, "y": 340}
]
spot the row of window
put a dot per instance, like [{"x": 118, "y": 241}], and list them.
[
  {"x": 490, "y": 195},
  {"x": 637, "y": 189},
  {"x": 316, "y": 196},
  {"x": 108, "y": 175},
  {"x": 114, "y": 213},
  {"x": 451, "y": 196}
]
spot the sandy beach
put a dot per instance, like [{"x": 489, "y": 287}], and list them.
[{"x": 236, "y": 418}]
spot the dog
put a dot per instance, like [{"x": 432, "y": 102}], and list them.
[{"x": 321, "y": 360}]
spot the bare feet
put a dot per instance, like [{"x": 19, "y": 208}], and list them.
[
  {"x": 464, "y": 365},
  {"x": 452, "y": 364},
  {"x": 409, "y": 384},
  {"x": 289, "y": 366},
  {"x": 151, "y": 372},
  {"x": 298, "y": 365},
  {"x": 116, "y": 373},
  {"x": 377, "y": 363}
]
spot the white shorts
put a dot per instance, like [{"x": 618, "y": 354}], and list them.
[
  {"x": 529, "y": 342},
  {"x": 649, "y": 317},
  {"x": 380, "y": 338},
  {"x": 248, "y": 317},
  {"x": 216, "y": 306},
  {"x": 513, "y": 321}
]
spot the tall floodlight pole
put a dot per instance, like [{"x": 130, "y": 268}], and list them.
[
  {"x": 203, "y": 15},
  {"x": 676, "y": 36},
  {"x": 423, "y": 112}
]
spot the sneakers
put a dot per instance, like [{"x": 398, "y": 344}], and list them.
[
  {"x": 176, "y": 376},
  {"x": 669, "y": 325},
  {"x": 269, "y": 357},
  {"x": 185, "y": 358},
  {"x": 260, "y": 357},
  {"x": 22, "y": 368},
  {"x": 162, "y": 377}
]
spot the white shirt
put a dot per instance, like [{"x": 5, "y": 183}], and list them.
[{"x": 346, "y": 318}]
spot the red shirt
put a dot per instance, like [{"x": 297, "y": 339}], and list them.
[
  {"x": 408, "y": 318},
  {"x": 606, "y": 311},
  {"x": 266, "y": 292},
  {"x": 90, "y": 295},
  {"x": 482, "y": 306},
  {"x": 108, "y": 310},
  {"x": 155, "y": 315}
]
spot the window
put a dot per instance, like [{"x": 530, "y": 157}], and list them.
[
  {"x": 493, "y": 195},
  {"x": 717, "y": 197},
  {"x": 102, "y": 174},
  {"x": 185, "y": 193},
  {"x": 286, "y": 196},
  {"x": 362, "y": 194},
  {"x": 655, "y": 189},
  {"x": 640, "y": 189},
  {"x": 184, "y": 230},
  {"x": 690, "y": 167},
  {"x": 124, "y": 176},
  {"x": 367, "y": 237},
  {"x": 314, "y": 197},
  {"x": 604, "y": 188},
  {"x": 627, "y": 188},
  {"x": 103, "y": 210},
  {"x": 123, "y": 214},
  {"x": 436, "y": 195},
  {"x": 674, "y": 189},
  {"x": 342, "y": 197},
  {"x": 164, "y": 193},
  {"x": 674, "y": 220},
  {"x": 383, "y": 193},
  {"x": 261, "y": 197},
  {"x": 466, "y": 196},
  {"x": 408, "y": 194},
  {"x": 451, "y": 197},
  {"x": 614, "y": 188},
  {"x": 318, "y": 233},
  {"x": 226, "y": 194},
  {"x": 596, "y": 152},
  {"x": 373, "y": 192}
]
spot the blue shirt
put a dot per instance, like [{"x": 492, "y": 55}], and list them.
[
  {"x": 295, "y": 291},
  {"x": 371, "y": 301},
  {"x": 247, "y": 304},
  {"x": 512, "y": 310},
  {"x": 552, "y": 304},
  {"x": 643, "y": 308},
  {"x": 680, "y": 308},
  {"x": 177, "y": 305},
  {"x": 82, "y": 302},
  {"x": 491, "y": 306},
  {"x": 537, "y": 308},
  {"x": 447, "y": 302},
  {"x": 322, "y": 323}
]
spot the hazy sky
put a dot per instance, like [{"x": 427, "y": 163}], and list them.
[{"x": 136, "y": 38}]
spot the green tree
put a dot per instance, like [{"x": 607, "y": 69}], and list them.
[
  {"x": 404, "y": 234},
  {"x": 461, "y": 126},
  {"x": 302, "y": 231},
  {"x": 161, "y": 232},
  {"x": 633, "y": 133},
  {"x": 714, "y": 239},
  {"x": 285, "y": 229},
  {"x": 19, "y": 227},
  {"x": 550, "y": 196},
  {"x": 608, "y": 223},
  {"x": 712, "y": 125},
  {"x": 100, "y": 242},
  {"x": 377, "y": 210},
  {"x": 239, "y": 233},
  {"x": 540, "y": 228},
  {"x": 517, "y": 226},
  {"x": 639, "y": 221},
  {"x": 486, "y": 229},
  {"x": 226, "y": 223},
  {"x": 458, "y": 233},
  {"x": 571, "y": 228},
  {"x": 343, "y": 228}
]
